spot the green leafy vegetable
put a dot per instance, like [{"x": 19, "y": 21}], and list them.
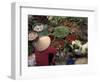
[{"x": 61, "y": 31}]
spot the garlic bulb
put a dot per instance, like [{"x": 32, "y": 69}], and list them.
[
  {"x": 38, "y": 28},
  {"x": 32, "y": 36}
]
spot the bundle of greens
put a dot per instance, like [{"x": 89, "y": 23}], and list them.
[{"x": 61, "y": 31}]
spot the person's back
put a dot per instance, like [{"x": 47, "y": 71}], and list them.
[{"x": 43, "y": 58}]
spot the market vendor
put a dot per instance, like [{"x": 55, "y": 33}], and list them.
[{"x": 44, "y": 53}]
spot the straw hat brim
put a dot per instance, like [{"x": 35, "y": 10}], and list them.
[{"x": 42, "y": 43}]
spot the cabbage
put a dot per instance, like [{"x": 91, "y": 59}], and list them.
[{"x": 61, "y": 31}]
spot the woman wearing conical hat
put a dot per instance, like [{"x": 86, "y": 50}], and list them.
[{"x": 44, "y": 53}]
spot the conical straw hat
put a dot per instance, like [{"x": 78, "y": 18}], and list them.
[{"x": 43, "y": 43}]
